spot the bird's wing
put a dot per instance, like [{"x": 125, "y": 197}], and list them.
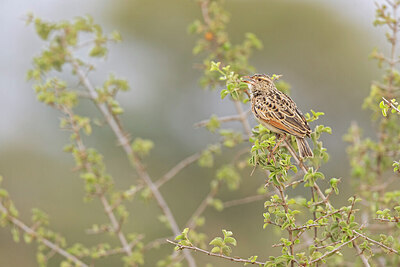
[{"x": 278, "y": 110}]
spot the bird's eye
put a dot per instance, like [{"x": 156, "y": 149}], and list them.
[{"x": 259, "y": 79}]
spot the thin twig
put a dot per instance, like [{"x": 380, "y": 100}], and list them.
[
  {"x": 191, "y": 224},
  {"x": 222, "y": 119},
  {"x": 40, "y": 239},
  {"x": 116, "y": 225},
  {"x": 351, "y": 209},
  {"x": 361, "y": 255},
  {"x": 329, "y": 214},
  {"x": 391, "y": 104},
  {"x": 177, "y": 168},
  {"x": 235, "y": 259},
  {"x": 396, "y": 220},
  {"x": 334, "y": 250},
  {"x": 304, "y": 169},
  {"x": 289, "y": 228},
  {"x": 205, "y": 13},
  {"x": 243, "y": 117},
  {"x": 245, "y": 200},
  {"x": 376, "y": 242},
  {"x": 123, "y": 140},
  {"x": 107, "y": 208},
  {"x": 156, "y": 242},
  {"x": 121, "y": 250}
]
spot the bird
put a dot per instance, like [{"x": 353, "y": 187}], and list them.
[{"x": 277, "y": 112}]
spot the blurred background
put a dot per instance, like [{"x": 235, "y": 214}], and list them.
[{"x": 321, "y": 48}]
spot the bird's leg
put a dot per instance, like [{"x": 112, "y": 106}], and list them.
[
  {"x": 271, "y": 153},
  {"x": 279, "y": 142}
]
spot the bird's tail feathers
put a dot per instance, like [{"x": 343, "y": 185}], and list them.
[{"x": 304, "y": 149}]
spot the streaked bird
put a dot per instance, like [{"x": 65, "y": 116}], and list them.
[{"x": 278, "y": 112}]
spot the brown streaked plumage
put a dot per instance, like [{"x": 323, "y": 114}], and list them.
[{"x": 277, "y": 111}]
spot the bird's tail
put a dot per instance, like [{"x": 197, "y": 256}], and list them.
[{"x": 304, "y": 149}]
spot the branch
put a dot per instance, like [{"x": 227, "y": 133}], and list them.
[
  {"x": 396, "y": 220},
  {"x": 116, "y": 225},
  {"x": 245, "y": 200},
  {"x": 334, "y": 251},
  {"x": 155, "y": 243},
  {"x": 304, "y": 169},
  {"x": 134, "y": 159},
  {"x": 235, "y": 259},
  {"x": 45, "y": 241},
  {"x": 222, "y": 119},
  {"x": 107, "y": 208},
  {"x": 361, "y": 255},
  {"x": 376, "y": 242},
  {"x": 391, "y": 104},
  {"x": 191, "y": 224},
  {"x": 243, "y": 117},
  {"x": 120, "y": 250},
  {"x": 178, "y": 167}
]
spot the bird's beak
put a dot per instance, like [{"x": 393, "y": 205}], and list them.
[{"x": 247, "y": 79}]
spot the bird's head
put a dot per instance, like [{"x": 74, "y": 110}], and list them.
[{"x": 260, "y": 82}]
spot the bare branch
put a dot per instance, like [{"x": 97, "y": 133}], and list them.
[
  {"x": 40, "y": 239},
  {"x": 107, "y": 208},
  {"x": 191, "y": 224},
  {"x": 334, "y": 250},
  {"x": 156, "y": 242},
  {"x": 116, "y": 225},
  {"x": 177, "y": 168},
  {"x": 124, "y": 141},
  {"x": 361, "y": 255},
  {"x": 396, "y": 220},
  {"x": 234, "y": 259},
  {"x": 245, "y": 200},
  {"x": 222, "y": 119},
  {"x": 243, "y": 117}
]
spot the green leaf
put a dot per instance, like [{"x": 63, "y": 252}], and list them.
[
  {"x": 142, "y": 146},
  {"x": 216, "y": 250},
  {"x": 116, "y": 36},
  {"x": 229, "y": 175},
  {"x": 224, "y": 93},
  {"x": 226, "y": 250},
  {"x": 217, "y": 242},
  {"x": 215, "y": 66},
  {"x": 98, "y": 51},
  {"x": 15, "y": 234},
  {"x": 213, "y": 124},
  {"x": 227, "y": 233},
  {"x": 230, "y": 240}
]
